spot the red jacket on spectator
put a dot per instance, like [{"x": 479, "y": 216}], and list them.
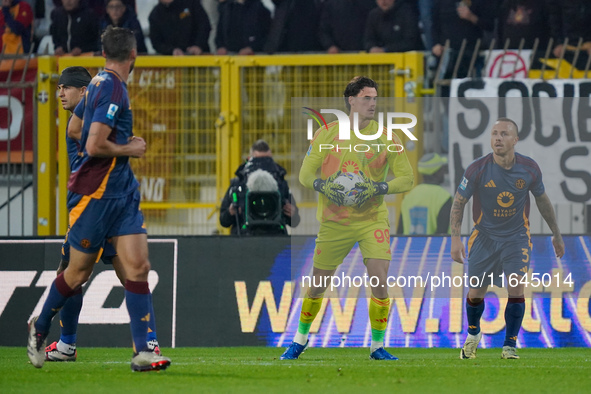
[{"x": 16, "y": 26}]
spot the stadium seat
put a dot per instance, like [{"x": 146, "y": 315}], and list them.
[
  {"x": 46, "y": 46},
  {"x": 149, "y": 47}
]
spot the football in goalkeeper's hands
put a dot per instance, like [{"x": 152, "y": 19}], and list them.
[{"x": 348, "y": 180}]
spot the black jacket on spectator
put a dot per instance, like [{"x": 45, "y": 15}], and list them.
[
  {"x": 527, "y": 19},
  {"x": 342, "y": 23},
  {"x": 129, "y": 21},
  {"x": 242, "y": 25},
  {"x": 238, "y": 186},
  {"x": 180, "y": 24},
  {"x": 294, "y": 27},
  {"x": 448, "y": 25},
  {"x": 570, "y": 19},
  {"x": 76, "y": 29},
  {"x": 396, "y": 30}
]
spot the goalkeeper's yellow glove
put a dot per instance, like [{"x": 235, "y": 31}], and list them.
[
  {"x": 370, "y": 189},
  {"x": 330, "y": 189}
]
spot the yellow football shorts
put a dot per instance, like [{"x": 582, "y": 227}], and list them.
[{"x": 335, "y": 241}]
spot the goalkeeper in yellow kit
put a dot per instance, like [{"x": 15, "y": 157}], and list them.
[{"x": 366, "y": 222}]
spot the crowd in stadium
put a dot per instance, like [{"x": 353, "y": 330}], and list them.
[{"x": 246, "y": 27}]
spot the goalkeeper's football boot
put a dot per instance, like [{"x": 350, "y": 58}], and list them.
[
  {"x": 382, "y": 354},
  {"x": 149, "y": 361},
  {"x": 154, "y": 347},
  {"x": 470, "y": 346},
  {"x": 294, "y": 351},
  {"x": 53, "y": 354},
  {"x": 35, "y": 345},
  {"x": 509, "y": 352}
]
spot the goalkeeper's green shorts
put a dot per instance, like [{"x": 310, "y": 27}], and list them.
[{"x": 335, "y": 241}]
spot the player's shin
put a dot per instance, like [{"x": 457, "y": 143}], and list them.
[
  {"x": 137, "y": 298},
  {"x": 474, "y": 313},
  {"x": 57, "y": 297},
  {"x": 513, "y": 317},
  {"x": 152, "y": 323},
  {"x": 310, "y": 308},
  {"x": 378, "y": 315},
  {"x": 69, "y": 315}
]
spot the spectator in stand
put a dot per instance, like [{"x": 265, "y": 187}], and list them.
[
  {"x": 570, "y": 19},
  {"x": 342, "y": 23},
  {"x": 425, "y": 7},
  {"x": 243, "y": 27},
  {"x": 16, "y": 27},
  {"x": 393, "y": 26},
  {"x": 456, "y": 21},
  {"x": 74, "y": 28},
  {"x": 38, "y": 7},
  {"x": 96, "y": 6},
  {"x": 120, "y": 15},
  {"x": 527, "y": 19},
  {"x": 131, "y": 4},
  {"x": 179, "y": 27},
  {"x": 294, "y": 27},
  {"x": 556, "y": 25}
]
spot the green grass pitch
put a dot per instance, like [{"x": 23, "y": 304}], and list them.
[{"x": 342, "y": 370}]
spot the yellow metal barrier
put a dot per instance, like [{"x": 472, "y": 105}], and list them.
[
  {"x": 200, "y": 115},
  {"x": 262, "y": 100},
  {"x": 46, "y": 146},
  {"x": 176, "y": 106}
]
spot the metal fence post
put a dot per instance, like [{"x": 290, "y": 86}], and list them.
[{"x": 46, "y": 146}]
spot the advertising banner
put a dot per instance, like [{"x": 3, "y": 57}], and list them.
[
  {"x": 554, "y": 128},
  {"x": 226, "y": 291},
  {"x": 17, "y": 115}
]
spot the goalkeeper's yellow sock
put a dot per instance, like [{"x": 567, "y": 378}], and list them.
[
  {"x": 378, "y": 316},
  {"x": 310, "y": 308}
]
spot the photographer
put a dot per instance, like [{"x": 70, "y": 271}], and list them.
[{"x": 234, "y": 200}]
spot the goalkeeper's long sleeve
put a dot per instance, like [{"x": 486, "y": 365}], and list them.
[
  {"x": 309, "y": 168},
  {"x": 402, "y": 169}
]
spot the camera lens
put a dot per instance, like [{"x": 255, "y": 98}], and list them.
[{"x": 264, "y": 207}]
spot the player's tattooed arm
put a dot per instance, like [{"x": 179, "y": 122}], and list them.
[
  {"x": 457, "y": 214},
  {"x": 547, "y": 212}
]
